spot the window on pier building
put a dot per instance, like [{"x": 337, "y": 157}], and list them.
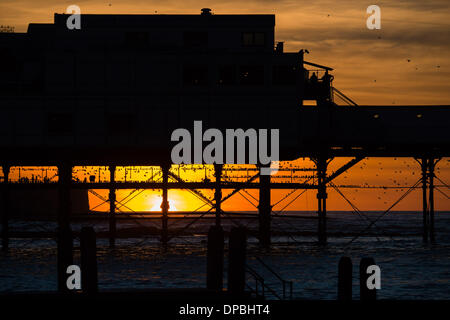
[
  {"x": 195, "y": 75},
  {"x": 195, "y": 38},
  {"x": 250, "y": 39},
  {"x": 59, "y": 123},
  {"x": 227, "y": 74},
  {"x": 284, "y": 75},
  {"x": 251, "y": 75}
]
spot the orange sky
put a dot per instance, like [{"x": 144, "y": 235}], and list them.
[
  {"x": 334, "y": 32},
  {"x": 372, "y": 172},
  {"x": 371, "y": 67}
]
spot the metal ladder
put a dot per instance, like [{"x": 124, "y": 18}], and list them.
[{"x": 262, "y": 288}]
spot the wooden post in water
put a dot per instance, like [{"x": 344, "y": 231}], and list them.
[
  {"x": 88, "y": 248},
  {"x": 345, "y": 270},
  {"x": 214, "y": 263},
  {"x": 366, "y": 294},
  {"x": 236, "y": 260}
]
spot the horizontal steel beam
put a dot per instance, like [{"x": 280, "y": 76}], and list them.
[{"x": 160, "y": 185}]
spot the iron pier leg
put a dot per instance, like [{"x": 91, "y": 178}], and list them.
[
  {"x": 237, "y": 246},
  {"x": 431, "y": 165},
  {"x": 6, "y": 208},
  {"x": 65, "y": 240},
  {"x": 321, "y": 164},
  {"x": 424, "y": 165},
  {"x": 112, "y": 207},
  {"x": 214, "y": 259},
  {"x": 165, "y": 205},
  {"x": 264, "y": 211},
  {"x": 88, "y": 253},
  {"x": 218, "y": 192},
  {"x": 65, "y": 178}
]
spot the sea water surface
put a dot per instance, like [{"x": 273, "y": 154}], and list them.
[{"x": 409, "y": 268}]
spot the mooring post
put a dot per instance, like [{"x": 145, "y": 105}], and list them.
[
  {"x": 65, "y": 239},
  {"x": 6, "y": 208},
  {"x": 112, "y": 207},
  {"x": 64, "y": 256},
  {"x": 165, "y": 205},
  {"x": 265, "y": 210},
  {"x": 88, "y": 248},
  {"x": 345, "y": 270},
  {"x": 218, "y": 192},
  {"x": 424, "y": 166},
  {"x": 214, "y": 260},
  {"x": 237, "y": 247},
  {"x": 321, "y": 164},
  {"x": 365, "y": 293},
  {"x": 431, "y": 166}
]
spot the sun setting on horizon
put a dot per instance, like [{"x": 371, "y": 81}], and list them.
[
  {"x": 154, "y": 204},
  {"x": 373, "y": 184}
]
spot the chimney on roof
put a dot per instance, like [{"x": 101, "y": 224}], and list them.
[
  {"x": 280, "y": 47},
  {"x": 206, "y": 12}
]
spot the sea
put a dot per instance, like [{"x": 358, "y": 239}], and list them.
[{"x": 409, "y": 268}]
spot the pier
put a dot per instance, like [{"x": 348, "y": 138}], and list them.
[{"x": 67, "y": 115}]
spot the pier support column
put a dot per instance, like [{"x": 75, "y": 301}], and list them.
[
  {"x": 6, "y": 208},
  {"x": 321, "y": 164},
  {"x": 345, "y": 274},
  {"x": 431, "y": 166},
  {"x": 165, "y": 204},
  {"x": 237, "y": 250},
  {"x": 424, "y": 167},
  {"x": 218, "y": 192},
  {"x": 214, "y": 259},
  {"x": 264, "y": 210},
  {"x": 64, "y": 234},
  {"x": 88, "y": 250},
  {"x": 64, "y": 205},
  {"x": 112, "y": 207}
]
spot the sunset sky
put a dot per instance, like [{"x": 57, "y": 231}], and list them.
[
  {"x": 334, "y": 32},
  {"x": 406, "y": 62}
]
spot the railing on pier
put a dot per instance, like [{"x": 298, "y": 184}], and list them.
[
  {"x": 336, "y": 93},
  {"x": 263, "y": 289}
]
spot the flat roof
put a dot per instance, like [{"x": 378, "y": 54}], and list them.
[{"x": 170, "y": 20}]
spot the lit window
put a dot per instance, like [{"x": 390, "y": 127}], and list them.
[{"x": 253, "y": 39}]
